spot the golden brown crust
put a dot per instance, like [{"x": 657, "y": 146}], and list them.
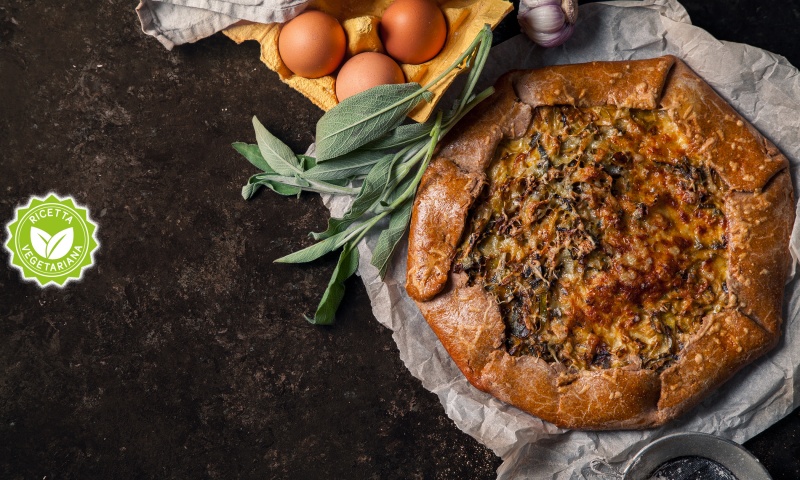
[
  {"x": 742, "y": 157},
  {"x": 469, "y": 342},
  {"x": 472, "y": 143},
  {"x": 444, "y": 196},
  {"x": 597, "y": 83},
  {"x": 594, "y": 400},
  {"x": 727, "y": 342},
  {"x": 759, "y": 209},
  {"x": 758, "y": 226}
]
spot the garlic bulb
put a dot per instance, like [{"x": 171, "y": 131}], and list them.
[{"x": 549, "y": 23}]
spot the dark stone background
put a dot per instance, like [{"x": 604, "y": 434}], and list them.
[{"x": 183, "y": 352}]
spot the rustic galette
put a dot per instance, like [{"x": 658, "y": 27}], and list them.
[{"x": 601, "y": 245}]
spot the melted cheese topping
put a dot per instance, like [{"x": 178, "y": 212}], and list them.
[{"x": 602, "y": 241}]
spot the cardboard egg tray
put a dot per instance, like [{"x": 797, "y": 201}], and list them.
[{"x": 360, "y": 20}]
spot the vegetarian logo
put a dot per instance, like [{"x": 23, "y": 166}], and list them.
[{"x": 51, "y": 240}]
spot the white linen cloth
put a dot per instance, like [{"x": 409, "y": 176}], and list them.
[{"x": 175, "y": 22}]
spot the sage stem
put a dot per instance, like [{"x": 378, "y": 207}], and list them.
[{"x": 469, "y": 51}]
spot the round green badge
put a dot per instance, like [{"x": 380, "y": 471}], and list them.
[{"x": 51, "y": 240}]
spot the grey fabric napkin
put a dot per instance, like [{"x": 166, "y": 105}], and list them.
[{"x": 174, "y": 22}]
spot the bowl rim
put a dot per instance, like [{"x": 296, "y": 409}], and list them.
[{"x": 740, "y": 462}]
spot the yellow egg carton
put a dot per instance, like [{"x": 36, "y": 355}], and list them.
[{"x": 360, "y": 20}]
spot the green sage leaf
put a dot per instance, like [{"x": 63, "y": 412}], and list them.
[
  {"x": 397, "y": 191},
  {"x": 364, "y": 117},
  {"x": 345, "y": 267},
  {"x": 334, "y": 187},
  {"x": 389, "y": 238},
  {"x": 249, "y": 190},
  {"x": 403, "y": 160},
  {"x": 276, "y": 153},
  {"x": 319, "y": 249},
  {"x": 371, "y": 191},
  {"x": 253, "y": 155},
  {"x": 278, "y": 185},
  {"x": 282, "y": 189},
  {"x": 355, "y": 163},
  {"x": 306, "y": 162},
  {"x": 401, "y": 136}
]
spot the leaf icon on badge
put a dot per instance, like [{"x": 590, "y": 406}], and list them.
[{"x": 52, "y": 247}]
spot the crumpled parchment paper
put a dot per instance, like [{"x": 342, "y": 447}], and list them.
[{"x": 765, "y": 89}]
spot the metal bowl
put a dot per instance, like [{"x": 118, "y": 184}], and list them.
[{"x": 730, "y": 455}]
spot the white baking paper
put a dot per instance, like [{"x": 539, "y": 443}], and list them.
[{"x": 765, "y": 89}]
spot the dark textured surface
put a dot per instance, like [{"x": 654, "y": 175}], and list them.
[{"x": 183, "y": 353}]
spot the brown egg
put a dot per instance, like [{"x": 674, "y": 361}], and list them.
[
  {"x": 413, "y": 31},
  {"x": 364, "y": 71},
  {"x": 312, "y": 44}
]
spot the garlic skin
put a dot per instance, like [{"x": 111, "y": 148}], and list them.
[{"x": 548, "y": 23}]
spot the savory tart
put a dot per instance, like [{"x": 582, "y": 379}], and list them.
[{"x": 601, "y": 245}]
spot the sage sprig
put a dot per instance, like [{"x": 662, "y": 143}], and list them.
[
  {"x": 346, "y": 127},
  {"x": 363, "y": 150}
]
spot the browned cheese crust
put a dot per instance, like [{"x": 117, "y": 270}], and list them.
[{"x": 756, "y": 198}]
